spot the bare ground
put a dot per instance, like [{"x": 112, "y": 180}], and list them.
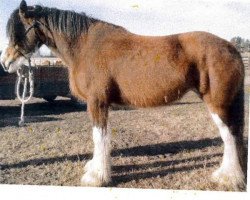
[{"x": 172, "y": 147}]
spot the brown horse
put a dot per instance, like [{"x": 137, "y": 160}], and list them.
[{"x": 108, "y": 64}]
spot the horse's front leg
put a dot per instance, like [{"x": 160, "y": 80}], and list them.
[{"x": 98, "y": 170}]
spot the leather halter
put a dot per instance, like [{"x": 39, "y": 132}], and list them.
[{"x": 36, "y": 24}]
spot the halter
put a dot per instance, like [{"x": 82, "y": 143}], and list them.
[{"x": 25, "y": 76}]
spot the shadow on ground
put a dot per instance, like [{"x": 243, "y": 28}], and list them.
[
  {"x": 34, "y": 111},
  {"x": 13, "y": 121},
  {"x": 42, "y": 108},
  {"x": 164, "y": 148},
  {"x": 147, "y": 150},
  {"x": 118, "y": 179}
]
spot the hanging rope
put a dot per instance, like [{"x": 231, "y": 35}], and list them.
[{"x": 25, "y": 76}]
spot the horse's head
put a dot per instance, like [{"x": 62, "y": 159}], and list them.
[{"x": 22, "y": 35}]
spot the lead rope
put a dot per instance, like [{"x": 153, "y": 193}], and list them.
[{"x": 24, "y": 76}]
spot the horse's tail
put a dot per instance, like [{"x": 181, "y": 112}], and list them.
[{"x": 236, "y": 118}]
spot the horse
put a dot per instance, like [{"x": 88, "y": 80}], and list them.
[{"x": 108, "y": 64}]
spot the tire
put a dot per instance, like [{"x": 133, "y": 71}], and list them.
[
  {"x": 77, "y": 103},
  {"x": 50, "y": 99}
]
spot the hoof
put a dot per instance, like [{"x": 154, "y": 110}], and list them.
[
  {"x": 95, "y": 177},
  {"x": 233, "y": 180},
  {"x": 92, "y": 180}
]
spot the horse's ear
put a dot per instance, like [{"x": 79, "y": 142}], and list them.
[
  {"x": 23, "y": 8},
  {"x": 28, "y": 12}
]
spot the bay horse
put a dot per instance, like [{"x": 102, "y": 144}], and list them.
[{"x": 108, "y": 64}]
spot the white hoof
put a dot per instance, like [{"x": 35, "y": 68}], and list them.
[
  {"x": 234, "y": 180},
  {"x": 91, "y": 179},
  {"x": 95, "y": 176}
]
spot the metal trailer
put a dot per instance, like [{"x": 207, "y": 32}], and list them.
[{"x": 50, "y": 82}]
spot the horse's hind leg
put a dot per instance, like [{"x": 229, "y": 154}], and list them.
[
  {"x": 98, "y": 170},
  {"x": 229, "y": 122}
]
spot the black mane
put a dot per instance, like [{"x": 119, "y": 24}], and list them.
[{"x": 69, "y": 23}]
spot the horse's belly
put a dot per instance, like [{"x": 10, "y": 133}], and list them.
[{"x": 152, "y": 95}]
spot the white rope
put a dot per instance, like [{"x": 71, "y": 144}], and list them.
[{"x": 24, "y": 75}]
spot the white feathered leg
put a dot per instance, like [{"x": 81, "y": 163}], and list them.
[
  {"x": 230, "y": 172},
  {"x": 98, "y": 170}
]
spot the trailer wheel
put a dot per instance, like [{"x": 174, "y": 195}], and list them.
[
  {"x": 78, "y": 103},
  {"x": 75, "y": 101},
  {"x": 50, "y": 99}
]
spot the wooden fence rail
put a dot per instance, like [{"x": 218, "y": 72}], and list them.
[{"x": 246, "y": 59}]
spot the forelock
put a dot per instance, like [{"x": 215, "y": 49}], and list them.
[{"x": 15, "y": 29}]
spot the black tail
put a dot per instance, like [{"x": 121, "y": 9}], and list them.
[{"x": 236, "y": 121}]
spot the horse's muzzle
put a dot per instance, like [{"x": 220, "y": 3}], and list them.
[
  {"x": 2, "y": 63},
  {"x": 5, "y": 67},
  {"x": 12, "y": 65}
]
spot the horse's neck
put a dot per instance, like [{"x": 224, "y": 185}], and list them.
[{"x": 61, "y": 48}]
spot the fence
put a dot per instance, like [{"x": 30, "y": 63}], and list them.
[{"x": 246, "y": 59}]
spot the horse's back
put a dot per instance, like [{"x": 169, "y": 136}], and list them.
[
  {"x": 150, "y": 71},
  {"x": 162, "y": 70}
]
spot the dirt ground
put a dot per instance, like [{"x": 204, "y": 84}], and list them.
[{"x": 172, "y": 147}]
